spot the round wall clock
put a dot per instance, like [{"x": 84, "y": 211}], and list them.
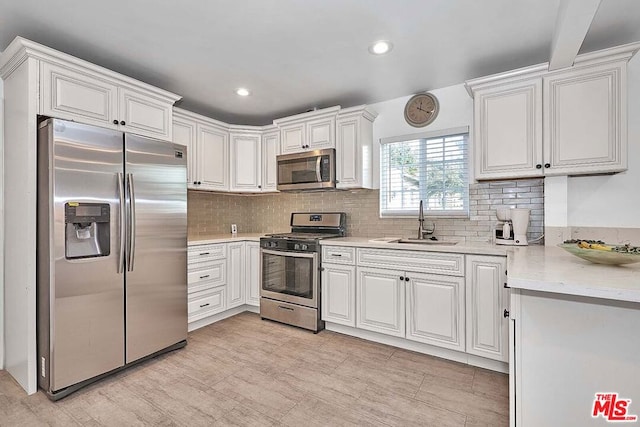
[{"x": 421, "y": 109}]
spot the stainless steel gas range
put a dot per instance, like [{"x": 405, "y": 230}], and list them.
[{"x": 290, "y": 269}]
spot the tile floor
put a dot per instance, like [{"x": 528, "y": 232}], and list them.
[{"x": 247, "y": 372}]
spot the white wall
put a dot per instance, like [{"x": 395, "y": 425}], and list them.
[
  {"x": 612, "y": 200},
  {"x": 1, "y": 224},
  {"x": 456, "y": 109}
]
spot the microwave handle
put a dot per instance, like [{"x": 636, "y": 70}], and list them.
[{"x": 318, "y": 174}]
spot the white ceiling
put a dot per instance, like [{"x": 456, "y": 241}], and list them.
[{"x": 298, "y": 54}]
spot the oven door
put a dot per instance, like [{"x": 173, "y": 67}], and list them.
[{"x": 289, "y": 276}]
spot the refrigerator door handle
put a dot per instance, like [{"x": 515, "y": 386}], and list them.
[
  {"x": 123, "y": 219},
  {"x": 132, "y": 222}
]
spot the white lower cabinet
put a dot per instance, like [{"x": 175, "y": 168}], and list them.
[
  {"x": 487, "y": 304},
  {"x": 435, "y": 310},
  {"x": 222, "y": 276},
  {"x": 206, "y": 303},
  {"x": 252, "y": 276},
  {"x": 339, "y": 294},
  {"x": 380, "y": 305},
  {"x": 236, "y": 268}
]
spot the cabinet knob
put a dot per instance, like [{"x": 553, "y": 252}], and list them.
[
  {"x": 406, "y": 279},
  {"x": 115, "y": 121},
  {"x": 259, "y": 186},
  {"x": 505, "y": 314},
  {"x": 547, "y": 165},
  {"x": 195, "y": 182},
  {"x": 199, "y": 182},
  {"x": 538, "y": 166},
  {"x": 401, "y": 278},
  {"x": 122, "y": 123}
]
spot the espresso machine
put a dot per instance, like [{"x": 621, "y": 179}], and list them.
[{"x": 512, "y": 226}]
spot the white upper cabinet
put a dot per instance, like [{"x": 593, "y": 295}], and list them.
[
  {"x": 531, "y": 122},
  {"x": 246, "y": 160},
  {"x": 77, "y": 90},
  {"x": 585, "y": 124},
  {"x": 314, "y": 130},
  {"x": 270, "y": 151},
  {"x": 212, "y": 151},
  {"x": 354, "y": 147},
  {"x": 143, "y": 114},
  {"x": 508, "y": 130},
  {"x": 73, "y": 95},
  {"x": 207, "y": 143},
  {"x": 184, "y": 133}
]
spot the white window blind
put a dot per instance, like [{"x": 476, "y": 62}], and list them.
[{"x": 433, "y": 168}]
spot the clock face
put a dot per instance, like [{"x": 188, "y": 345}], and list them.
[{"x": 421, "y": 109}]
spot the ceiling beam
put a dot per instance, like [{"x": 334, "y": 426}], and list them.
[{"x": 572, "y": 24}]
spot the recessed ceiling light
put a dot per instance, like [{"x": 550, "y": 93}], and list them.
[
  {"x": 242, "y": 91},
  {"x": 380, "y": 47}
]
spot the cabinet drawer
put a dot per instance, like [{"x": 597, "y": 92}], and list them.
[
  {"x": 206, "y": 275},
  {"x": 206, "y": 303},
  {"x": 422, "y": 262},
  {"x": 339, "y": 255},
  {"x": 204, "y": 253}
]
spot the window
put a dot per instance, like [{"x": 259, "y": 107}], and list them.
[{"x": 432, "y": 167}]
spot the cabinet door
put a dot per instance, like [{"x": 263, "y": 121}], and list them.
[
  {"x": 321, "y": 133},
  {"x": 348, "y": 164},
  {"x": 292, "y": 138},
  {"x": 236, "y": 274},
  {"x": 339, "y": 294},
  {"x": 585, "y": 120},
  {"x": 144, "y": 114},
  {"x": 72, "y": 95},
  {"x": 252, "y": 274},
  {"x": 508, "y": 130},
  {"x": 270, "y": 151},
  {"x": 245, "y": 163},
  {"x": 184, "y": 133},
  {"x": 435, "y": 310},
  {"x": 487, "y": 328},
  {"x": 213, "y": 158},
  {"x": 381, "y": 301}
]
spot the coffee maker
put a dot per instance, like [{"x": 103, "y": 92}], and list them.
[{"x": 512, "y": 226}]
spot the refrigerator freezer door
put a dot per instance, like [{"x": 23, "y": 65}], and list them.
[
  {"x": 86, "y": 295},
  {"x": 156, "y": 276}
]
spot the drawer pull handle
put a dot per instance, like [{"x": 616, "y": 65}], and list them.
[
  {"x": 336, "y": 254},
  {"x": 204, "y": 277},
  {"x": 204, "y": 305},
  {"x": 285, "y": 308},
  {"x": 204, "y": 253}
]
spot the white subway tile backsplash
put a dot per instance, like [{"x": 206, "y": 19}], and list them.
[{"x": 213, "y": 213}]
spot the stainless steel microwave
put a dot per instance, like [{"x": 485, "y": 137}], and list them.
[{"x": 311, "y": 170}]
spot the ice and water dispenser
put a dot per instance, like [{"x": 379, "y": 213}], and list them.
[{"x": 87, "y": 230}]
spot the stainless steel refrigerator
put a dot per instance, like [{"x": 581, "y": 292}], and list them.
[{"x": 112, "y": 252}]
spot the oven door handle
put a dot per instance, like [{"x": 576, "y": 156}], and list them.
[{"x": 291, "y": 254}]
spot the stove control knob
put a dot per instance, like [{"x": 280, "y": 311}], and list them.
[
  {"x": 274, "y": 244},
  {"x": 304, "y": 247},
  {"x": 296, "y": 247}
]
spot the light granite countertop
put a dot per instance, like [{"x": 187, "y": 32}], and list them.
[
  {"x": 535, "y": 268},
  {"x": 224, "y": 238}
]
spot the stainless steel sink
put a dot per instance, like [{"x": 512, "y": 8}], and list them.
[
  {"x": 424, "y": 241},
  {"x": 411, "y": 240}
]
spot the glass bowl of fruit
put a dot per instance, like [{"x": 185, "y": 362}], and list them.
[{"x": 598, "y": 252}]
